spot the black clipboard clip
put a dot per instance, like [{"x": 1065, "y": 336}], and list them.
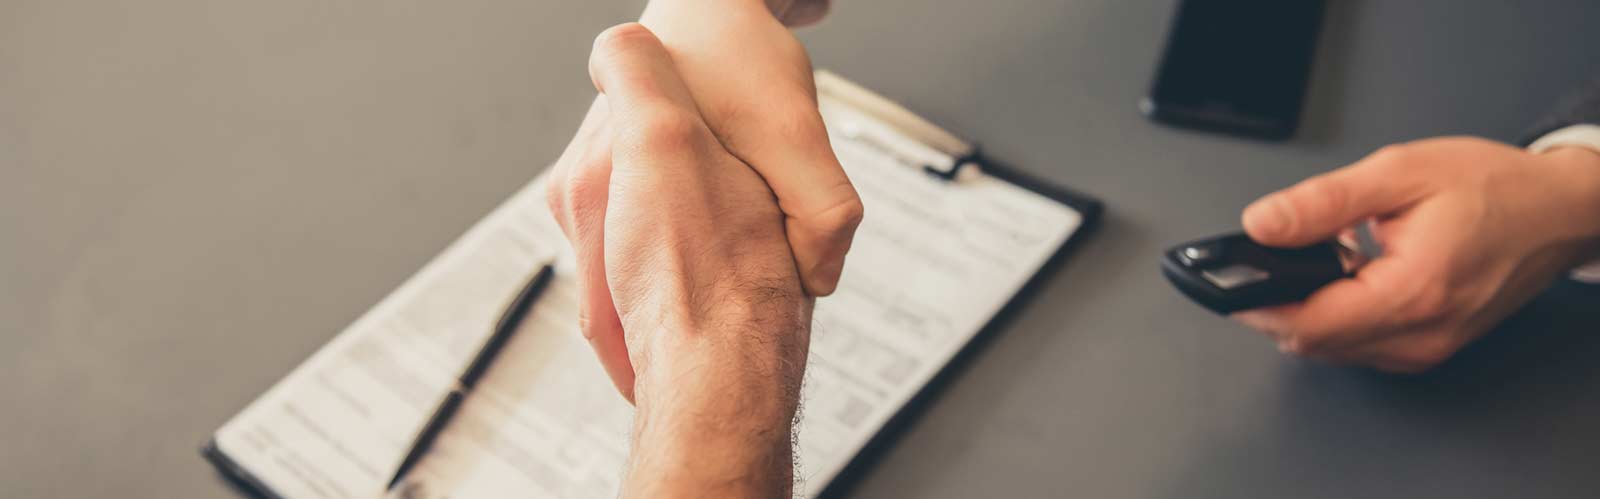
[{"x": 970, "y": 160}]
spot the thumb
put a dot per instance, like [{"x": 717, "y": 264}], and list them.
[
  {"x": 631, "y": 67},
  {"x": 789, "y": 147},
  {"x": 820, "y": 206},
  {"x": 1318, "y": 208}
]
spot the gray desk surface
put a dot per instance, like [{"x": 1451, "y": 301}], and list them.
[{"x": 195, "y": 195}]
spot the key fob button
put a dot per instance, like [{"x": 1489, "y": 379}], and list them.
[
  {"x": 1235, "y": 276},
  {"x": 1199, "y": 255}
]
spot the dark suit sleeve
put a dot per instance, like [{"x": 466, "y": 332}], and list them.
[{"x": 1580, "y": 107}]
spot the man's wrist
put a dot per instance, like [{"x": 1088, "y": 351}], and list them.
[
  {"x": 1578, "y": 170},
  {"x": 754, "y": 341},
  {"x": 719, "y": 392},
  {"x": 1575, "y": 152},
  {"x": 707, "y": 428},
  {"x": 716, "y": 394},
  {"x": 715, "y": 409}
]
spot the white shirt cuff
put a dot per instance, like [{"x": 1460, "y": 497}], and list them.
[{"x": 1575, "y": 136}]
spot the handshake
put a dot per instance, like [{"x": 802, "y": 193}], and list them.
[{"x": 706, "y": 209}]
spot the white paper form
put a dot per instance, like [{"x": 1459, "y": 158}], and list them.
[{"x": 932, "y": 262}]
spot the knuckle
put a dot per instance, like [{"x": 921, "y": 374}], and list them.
[
  {"x": 844, "y": 216},
  {"x": 555, "y": 197},
  {"x": 620, "y": 38},
  {"x": 555, "y": 181},
  {"x": 580, "y": 182},
  {"x": 584, "y": 193}
]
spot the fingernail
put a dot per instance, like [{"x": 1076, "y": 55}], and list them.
[
  {"x": 1289, "y": 346},
  {"x": 1248, "y": 319},
  {"x": 1257, "y": 320},
  {"x": 1265, "y": 217},
  {"x": 1347, "y": 238}
]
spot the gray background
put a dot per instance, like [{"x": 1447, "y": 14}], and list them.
[{"x": 196, "y": 194}]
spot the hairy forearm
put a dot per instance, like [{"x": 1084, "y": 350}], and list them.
[
  {"x": 710, "y": 435},
  {"x": 717, "y": 400}
]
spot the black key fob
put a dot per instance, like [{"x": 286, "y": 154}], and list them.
[{"x": 1230, "y": 273}]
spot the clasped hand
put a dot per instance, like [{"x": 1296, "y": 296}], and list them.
[
  {"x": 678, "y": 239},
  {"x": 691, "y": 291},
  {"x": 734, "y": 90}
]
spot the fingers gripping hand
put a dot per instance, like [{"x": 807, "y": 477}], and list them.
[
  {"x": 766, "y": 114},
  {"x": 1471, "y": 230},
  {"x": 578, "y": 192},
  {"x": 659, "y": 214}
]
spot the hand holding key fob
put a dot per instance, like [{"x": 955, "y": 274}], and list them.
[{"x": 1229, "y": 273}]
